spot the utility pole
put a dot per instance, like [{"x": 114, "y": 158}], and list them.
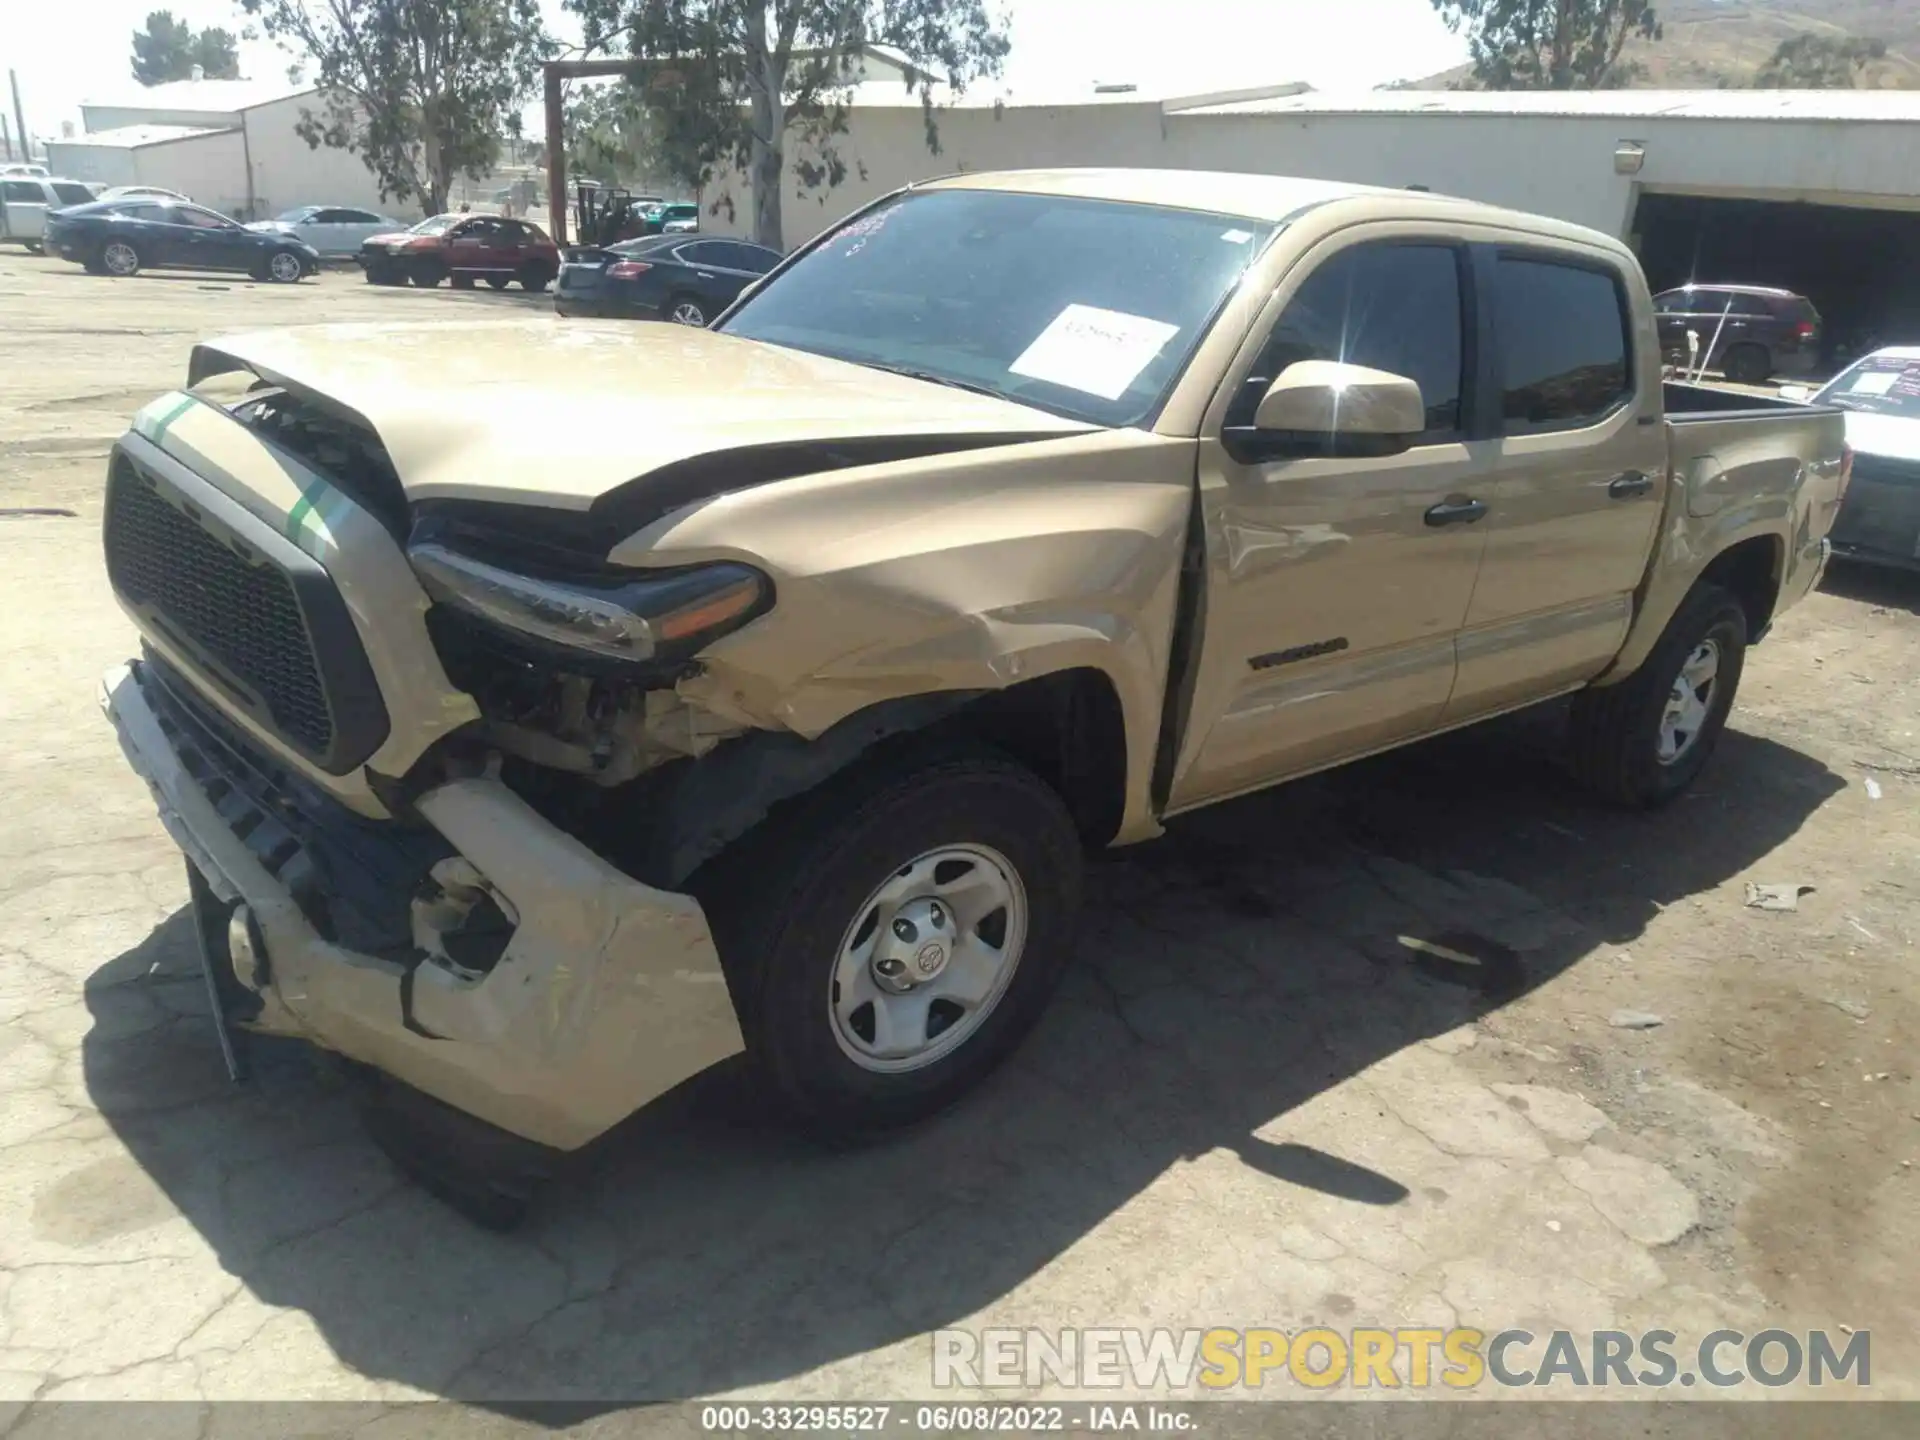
[
  {"x": 6, "y": 136},
  {"x": 20, "y": 118}
]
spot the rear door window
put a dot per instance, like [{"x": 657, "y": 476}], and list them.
[{"x": 1562, "y": 343}]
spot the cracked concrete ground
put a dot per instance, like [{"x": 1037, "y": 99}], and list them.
[{"x": 1253, "y": 1105}]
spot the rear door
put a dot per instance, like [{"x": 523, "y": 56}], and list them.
[
  {"x": 26, "y": 208},
  {"x": 734, "y": 266},
  {"x": 1578, "y": 474},
  {"x": 1334, "y": 590}
]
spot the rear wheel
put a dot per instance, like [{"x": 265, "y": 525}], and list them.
[
  {"x": 1748, "y": 365},
  {"x": 462, "y": 281},
  {"x": 892, "y": 936},
  {"x": 1640, "y": 743},
  {"x": 685, "y": 310},
  {"x": 535, "y": 278},
  {"x": 119, "y": 257},
  {"x": 498, "y": 282}
]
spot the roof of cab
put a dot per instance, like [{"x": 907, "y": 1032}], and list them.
[{"x": 1269, "y": 198}]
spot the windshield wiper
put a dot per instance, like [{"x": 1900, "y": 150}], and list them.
[{"x": 933, "y": 379}]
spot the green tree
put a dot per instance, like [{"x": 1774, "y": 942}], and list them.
[
  {"x": 1818, "y": 62},
  {"x": 167, "y": 49},
  {"x": 748, "y": 84},
  {"x": 420, "y": 90},
  {"x": 1550, "y": 44}
]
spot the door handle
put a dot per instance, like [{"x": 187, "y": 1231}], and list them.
[
  {"x": 704, "y": 274},
  {"x": 1630, "y": 485},
  {"x": 1456, "y": 510}
]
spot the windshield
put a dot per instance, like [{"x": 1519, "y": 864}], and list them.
[
  {"x": 1878, "y": 385},
  {"x": 438, "y": 225},
  {"x": 1087, "y": 308}
]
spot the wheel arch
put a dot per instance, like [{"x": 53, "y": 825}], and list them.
[{"x": 1066, "y": 726}]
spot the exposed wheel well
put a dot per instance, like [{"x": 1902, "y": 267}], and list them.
[
  {"x": 1067, "y": 728},
  {"x": 1751, "y": 570}
]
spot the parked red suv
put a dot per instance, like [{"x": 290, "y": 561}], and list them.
[{"x": 466, "y": 248}]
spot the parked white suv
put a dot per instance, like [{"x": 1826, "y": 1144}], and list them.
[{"x": 25, "y": 201}]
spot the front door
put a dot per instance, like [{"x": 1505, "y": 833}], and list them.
[
  {"x": 1336, "y": 585},
  {"x": 1578, "y": 476}
]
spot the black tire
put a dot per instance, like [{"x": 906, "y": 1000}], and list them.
[
  {"x": 383, "y": 274},
  {"x": 498, "y": 282},
  {"x": 93, "y": 267},
  {"x": 34, "y": 247},
  {"x": 289, "y": 274},
  {"x": 535, "y": 278},
  {"x": 686, "y": 310},
  {"x": 426, "y": 273},
  {"x": 462, "y": 281},
  {"x": 1748, "y": 365},
  {"x": 109, "y": 264},
  {"x": 1615, "y": 734},
  {"x": 782, "y": 900}
]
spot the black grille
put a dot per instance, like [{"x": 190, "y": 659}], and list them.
[{"x": 242, "y": 613}]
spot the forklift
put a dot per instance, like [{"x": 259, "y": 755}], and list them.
[{"x": 604, "y": 216}]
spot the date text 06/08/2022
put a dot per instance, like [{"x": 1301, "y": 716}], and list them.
[{"x": 941, "y": 1419}]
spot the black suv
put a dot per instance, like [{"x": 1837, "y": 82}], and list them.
[{"x": 1753, "y": 332}]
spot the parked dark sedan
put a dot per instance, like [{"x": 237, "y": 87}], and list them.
[
  {"x": 124, "y": 237},
  {"x": 681, "y": 278}
]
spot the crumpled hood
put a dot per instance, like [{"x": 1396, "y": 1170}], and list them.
[{"x": 561, "y": 413}]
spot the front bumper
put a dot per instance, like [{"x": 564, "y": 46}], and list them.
[{"x": 608, "y": 993}]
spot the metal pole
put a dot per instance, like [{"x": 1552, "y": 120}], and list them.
[
  {"x": 20, "y": 118},
  {"x": 556, "y": 158},
  {"x": 6, "y": 136}
]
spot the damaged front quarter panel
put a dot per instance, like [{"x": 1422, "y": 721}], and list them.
[{"x": 949, "y": 574}]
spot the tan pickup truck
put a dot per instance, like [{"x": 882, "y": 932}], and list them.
[{"x": 550, "y": 710}]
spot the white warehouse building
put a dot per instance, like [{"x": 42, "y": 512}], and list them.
[
  {"x": 1813, "y": 191},
  {"x": 230, "y": 144}
]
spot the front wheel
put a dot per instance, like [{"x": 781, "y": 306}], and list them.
[
  {"x": 426, "y": 274},
  {"x": 891, "y": 937},
  {"x": 284, "y": 267},
  {"x": 498, "y": 282},
  {"x": 535, "y": 278},
  {"x": 1640, "y": 743}
]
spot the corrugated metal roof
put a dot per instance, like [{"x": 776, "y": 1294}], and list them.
[
  {"x": 132, "y": 137},
  {"x": 214, "y": 97},
  {"x": 1846, "y": 105}
]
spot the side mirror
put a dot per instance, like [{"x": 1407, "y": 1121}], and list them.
[{"x": 1330, "y": 398}]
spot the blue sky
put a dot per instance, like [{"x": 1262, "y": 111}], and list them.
[{"x": 67, "y": 52}]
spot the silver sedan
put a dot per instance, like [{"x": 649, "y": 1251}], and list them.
[{"x": 331, "y": 229}]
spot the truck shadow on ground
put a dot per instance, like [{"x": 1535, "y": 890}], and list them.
[{"x": 1229, "y": 974}]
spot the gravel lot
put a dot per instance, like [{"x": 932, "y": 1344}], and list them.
[{"x": 1255, "y": 1105}]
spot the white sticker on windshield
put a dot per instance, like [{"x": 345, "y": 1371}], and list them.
[
  {"x": 1874, "y": 382},
  {"x": 1099, "y": 352},
  {"x": 1237, "y": 237}
]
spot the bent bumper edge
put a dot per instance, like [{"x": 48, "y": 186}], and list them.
[{"x": 609, "y": 993}]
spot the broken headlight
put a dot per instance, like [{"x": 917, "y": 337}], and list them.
[{"x": 650, "y": 616}]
